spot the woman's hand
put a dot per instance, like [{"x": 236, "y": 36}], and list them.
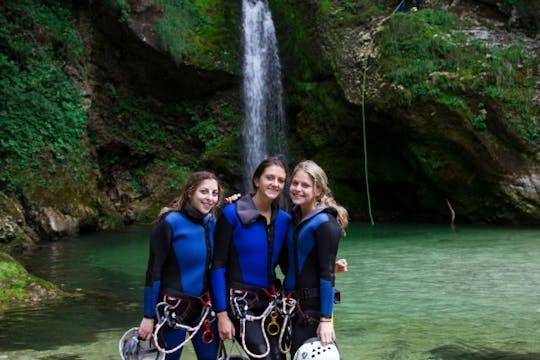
[
  {"x": 325, "y": 331},
  {"x": 146, "y": 328},
  {"x": 232, "y": 198},
  {"x": 341, "y": 266},
  {"x": 225, "y": 326}
]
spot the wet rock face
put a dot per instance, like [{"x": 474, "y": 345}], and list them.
[
  {"x": 422, "y": 150},
  {"x": 53, "y": 224},
  {"x": 7, "y": 230},
  {"x": 524, "y": 14},
  {"x": 130, "y": 54},
  {"x": 15, "y": 234}
]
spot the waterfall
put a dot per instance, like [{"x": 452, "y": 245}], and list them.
[{"x": 264, "y": 130}]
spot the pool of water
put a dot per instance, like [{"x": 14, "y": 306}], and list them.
[{"x": 412, "y": 292}]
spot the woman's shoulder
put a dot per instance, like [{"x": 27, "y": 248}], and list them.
[
  {"x": 228, "y": 213},
  {"x": 284, "y": 215},
  {"x": 229, "y": 209}
]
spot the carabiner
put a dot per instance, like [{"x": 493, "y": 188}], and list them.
[
  {"x": 208, "y": 335},
  {"x": 273, "y": 327}
]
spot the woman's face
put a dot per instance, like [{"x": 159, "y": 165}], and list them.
[
  {"x": 302, "y": 191},
  {"x": 271, "y": 182},
  {"x": 205, "y": 196}
]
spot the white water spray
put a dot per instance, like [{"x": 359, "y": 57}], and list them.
[{"x": 264, "y": 131}]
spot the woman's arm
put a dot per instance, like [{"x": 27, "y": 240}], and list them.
[
  {"x": 160, "y": 245},
  {"x": 222, "y": 243}
]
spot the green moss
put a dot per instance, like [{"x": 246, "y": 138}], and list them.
[
  {"x": 41, "y": 110},
  {"x": 323, "y": 116},
  {"x": 437, "y": 61},
  {"x": 346, "y": 13},
  {"x": 18, "y": 286},
  {"x": 295, "y": 34},
  {"x": 201, "y": 32},
  {"x": 137, "y": 124},
  {"x": 222, "y": 157}
]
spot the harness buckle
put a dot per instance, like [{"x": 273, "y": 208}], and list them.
[{"x": 273, "y": 327}]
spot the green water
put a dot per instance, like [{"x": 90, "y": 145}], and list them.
[{"x": 412, "y": 292}]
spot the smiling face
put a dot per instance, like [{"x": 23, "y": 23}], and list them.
[
  {"x": 205, "y": 196},
  {"x": 271, "y": 182},
  {"x": 303, "y": 192}
]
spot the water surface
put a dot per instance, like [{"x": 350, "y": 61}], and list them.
[{"x": 412, "y": 292}]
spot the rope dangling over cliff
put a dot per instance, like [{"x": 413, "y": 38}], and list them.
[{"x": 364, "y": 134}]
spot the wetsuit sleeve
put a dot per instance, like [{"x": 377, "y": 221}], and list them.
[
  {"x": 160, "y": 245},
  {"x": 218, "y": 283},
  {"x": 327, "y": 238}
]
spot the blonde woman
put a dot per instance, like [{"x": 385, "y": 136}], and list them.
[{"x": 312, "y": 247}]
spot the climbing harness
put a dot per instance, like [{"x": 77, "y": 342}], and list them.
[
  {"x": 241, "y": 301},
  {"x": 131, "y": 347},
  {"x": 286, "y": 309},
  {"x": 305, "y": 318},
  {"x": 166, "y": 313}
]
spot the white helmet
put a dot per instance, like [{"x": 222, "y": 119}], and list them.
[
  {"x": 312, "y": 349},
  {"x": 133, "y": 348}
]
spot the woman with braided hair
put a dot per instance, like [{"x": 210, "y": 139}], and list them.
[{"x": 312, "y": 245}]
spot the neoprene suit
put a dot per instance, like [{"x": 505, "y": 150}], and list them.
[
  {"x": 247, "y": 251},
  {"x": 180, "y": 254},
  {"x": 312, "y": 247}
]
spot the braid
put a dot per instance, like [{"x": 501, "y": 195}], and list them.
[{"x": 342, "y": 213}]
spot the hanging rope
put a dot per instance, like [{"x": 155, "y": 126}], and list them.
[
  {"x": 365, "y": 142},
  {"x": 364, "y": 136}
]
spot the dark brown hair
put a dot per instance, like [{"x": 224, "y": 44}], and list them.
[
  {"x": 263, "y": 166},
  {"x": 189, "y": 188}
]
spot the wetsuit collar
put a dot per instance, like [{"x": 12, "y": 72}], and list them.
[
  {"x": 297, "y": 213},
  {"x": 193, "y": 214},
  {"x": 247, "y": 211}
]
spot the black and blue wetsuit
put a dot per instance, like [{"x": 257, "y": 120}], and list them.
[
  {"x": 181, "y": 247},
  {"x": 247, "y": 251},
  {"x": 312, "y": 247}
]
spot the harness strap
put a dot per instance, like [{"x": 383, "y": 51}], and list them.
[
  {"x": 261, "y": 317},
  {"x": 163, "y": 319},
  {"x": 305, "y": 317},
  {"x": 268, "y": 292},
  {"x": 286, "y": 310},
  {"x": 241, "y": 300},
  {"x": 306, "y": 293}
]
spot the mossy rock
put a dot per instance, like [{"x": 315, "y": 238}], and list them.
[{"x": 21, "y": 288}]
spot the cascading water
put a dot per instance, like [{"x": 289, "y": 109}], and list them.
[{"x": 264, "y": 130}]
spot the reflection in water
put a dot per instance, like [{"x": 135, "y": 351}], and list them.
[{"x": 410, "y": 293}]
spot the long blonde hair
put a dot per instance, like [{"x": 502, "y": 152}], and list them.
[
  {"x": 189, "y": 188},
  {"x": 320, "y": 184}
]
